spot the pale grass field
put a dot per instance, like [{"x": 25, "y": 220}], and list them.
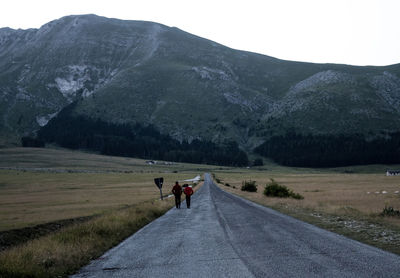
[
  {"x": 62, "y": 159},
  {"x": 65, "y": 251},
  {"x": 45, "y": 185},
  {"x": 29, "y": 197},
  {"x": 37, "y": 194},
  {"x": 332, "y": 193},
  {"x": 38, "y": 186}
]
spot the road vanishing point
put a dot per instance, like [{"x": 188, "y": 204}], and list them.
[{"x": 223, "y": 235}]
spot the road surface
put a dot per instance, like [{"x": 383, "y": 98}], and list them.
[{"x": 223, "y": 235}]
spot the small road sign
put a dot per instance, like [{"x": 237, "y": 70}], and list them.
[{"x": 159, "y": 182}]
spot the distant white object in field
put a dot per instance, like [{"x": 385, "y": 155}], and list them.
[
  {"x": 195, "y": 179},
  {"x": 368, "y": 192},
  {"x": 384, "y": 192},
  {"x": 392, "y": 172},
  {"x": 377, "y": 192},
  {"x": 396, "y": 192}
]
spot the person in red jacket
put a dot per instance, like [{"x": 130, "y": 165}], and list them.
[
  {"x": 188, "y": 192},
  {"x": 177, "y": 191}
]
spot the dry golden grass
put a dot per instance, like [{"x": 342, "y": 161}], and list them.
[
  {"x": 52, "y": 184},
  {"x": 64, "y": 252},
  {"x": 42, "y": 185},
  {"x": 326, "y": 192},
  {"x": 62, "y": 159},
  {"x": 333, "y": 201},
  {"x": 31, "y": 198}
]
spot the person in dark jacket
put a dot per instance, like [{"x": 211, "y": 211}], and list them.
[
  {"x": 188, "y": 192},
  {"x": 177, "y": 191}
]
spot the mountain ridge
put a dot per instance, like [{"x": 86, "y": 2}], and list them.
[{"x": 188, "y": 87}]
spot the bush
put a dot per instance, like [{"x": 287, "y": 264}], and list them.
[
  {"x": 274, "y": 189},
  {"x": 390, "y": 211},
  {"x": 227, "y": 184},
  {"x": 249, "y": 186},
  {"x": 296, "y": 196}
]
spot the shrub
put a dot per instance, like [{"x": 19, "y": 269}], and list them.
[
  {"x": 274, "y": 189},
  {"x": 390, "y": 211},
  {"x": 296, "y": 196},
  {"x": 249, "y": 186},
  {"x": 227, "y": 184}
]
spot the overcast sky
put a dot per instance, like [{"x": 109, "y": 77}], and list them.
[{"x": 357, "y": 32}]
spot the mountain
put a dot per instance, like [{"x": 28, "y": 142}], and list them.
[{"x": 187, "y": 87}]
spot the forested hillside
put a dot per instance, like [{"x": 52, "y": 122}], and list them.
[
  {"x": 293, "y": 149},
  {"x": 80, "y": 132}
]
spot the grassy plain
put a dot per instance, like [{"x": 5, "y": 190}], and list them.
[
  {"x": 38, "y": 186},
  {"x": 326, "y": 192},
  {"x": 31, "y": 198},
  {"x": 44, "y": 185},
  {"x": 65, "y": 251},
  {"x": 345, "y": 203}
]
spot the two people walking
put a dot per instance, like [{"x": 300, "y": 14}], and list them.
[{"x": 177, "y": 191}]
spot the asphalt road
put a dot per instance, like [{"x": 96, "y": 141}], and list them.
[{"x": 225, "y": 236}]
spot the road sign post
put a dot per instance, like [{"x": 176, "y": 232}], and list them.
[{"x": 159, "y": 182}]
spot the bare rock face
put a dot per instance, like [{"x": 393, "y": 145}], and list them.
[
  {"x": 186, "y": 86},
  {"x": 387, "y": 85},
  {"x": 322, "y": 78}
]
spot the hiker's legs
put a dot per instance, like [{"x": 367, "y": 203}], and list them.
[
  {"x": 177, "y": 201},
  {"x": 188, "y": 201}
]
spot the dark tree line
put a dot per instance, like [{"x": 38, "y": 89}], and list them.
[
  {"x": 300, "y": 150},
  {"x": 79, "y": 132},
  {"x": 27, "y": 141}
]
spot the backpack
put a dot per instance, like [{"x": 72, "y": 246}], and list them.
[{"x": 188, "y": 191}]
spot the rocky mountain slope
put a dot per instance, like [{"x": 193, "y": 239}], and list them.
[{"x": 184, "y": 85}]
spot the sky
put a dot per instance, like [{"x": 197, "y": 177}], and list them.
[{"x": 356, "y": 32}]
